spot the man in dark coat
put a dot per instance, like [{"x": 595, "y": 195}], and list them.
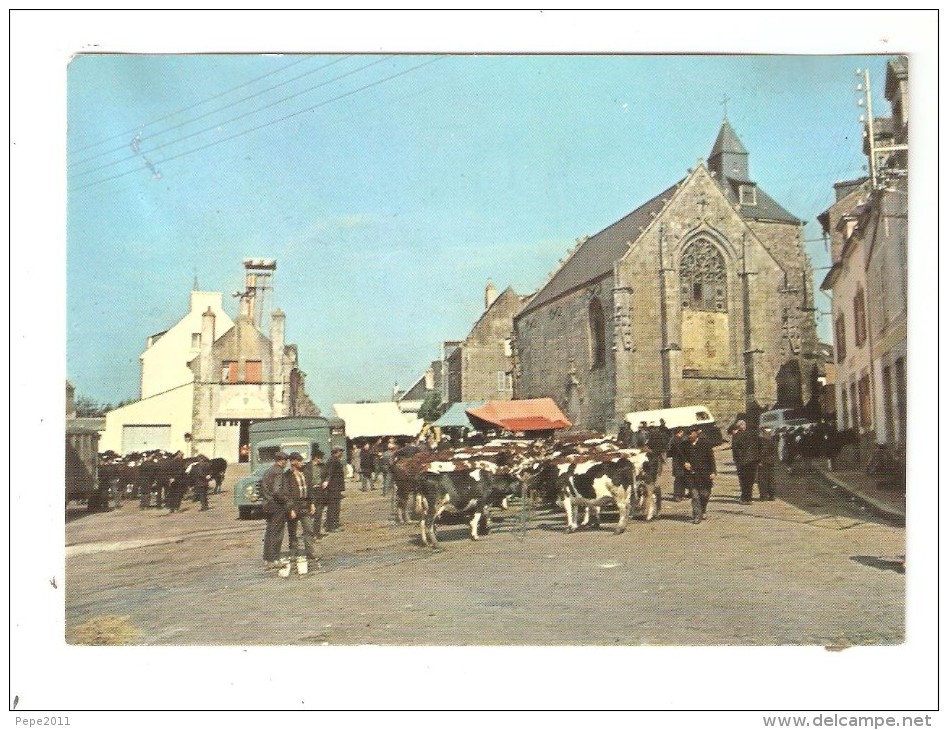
[
  {"x": 367, "y": 467},
  {"x": 676, "y": 450},
  {"x": 767, "y": 451},
  {"x": 744, "y": 447},
  {"x": 334, "y": 484},
  {"x": 274, "y": 503},
  {"x": 701, "y": 470}
]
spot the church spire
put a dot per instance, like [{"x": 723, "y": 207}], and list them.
[{"x": 728, "y": 156}]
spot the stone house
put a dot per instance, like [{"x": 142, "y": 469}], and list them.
[
  {"x": 480, "y": 367},
  {"x": 699, "y": 296},
  {"x": 205, "y": 379}
]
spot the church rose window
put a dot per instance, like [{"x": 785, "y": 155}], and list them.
[{"x": 703, "y": 277}]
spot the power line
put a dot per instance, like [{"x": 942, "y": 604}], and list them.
[
  {"x": 264, "y": 125},
  {"x": 232, "y": 119},
  {"x": 202, "y": 116},
  {"x": 189, "y": 108}
]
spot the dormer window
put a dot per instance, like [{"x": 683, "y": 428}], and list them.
[{"x": 748, "y": 194}]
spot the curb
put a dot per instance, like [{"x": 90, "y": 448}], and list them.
[{"x": 880, "y": 507}]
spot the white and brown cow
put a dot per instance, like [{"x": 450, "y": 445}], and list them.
[{"x": 461, "y": 486}]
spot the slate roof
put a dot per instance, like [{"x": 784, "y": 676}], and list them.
[
  {"x": 727, "y": 141},
  {"x": 766, "y": 209},
  {"x": 596, "y": 256}
]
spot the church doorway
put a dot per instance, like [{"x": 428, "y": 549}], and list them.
[{"x": 789, "y": 385}]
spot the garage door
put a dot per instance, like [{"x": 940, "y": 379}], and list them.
[{"x": 145, "y": 437}]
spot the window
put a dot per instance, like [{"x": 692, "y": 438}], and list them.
[
  {"x": 865, "y": 403},
  {"x": 703, "y": 277},
  {"x": 500, "y": 381},
  {"x": 844, "y": 407},
  {"x": 597, "y": 334},
  {"x": 840, "y": 328},
  {"x": 853, "y": 406},
  {"x": 195, "y": 340},
  {"x": 748, "y": 194},
  {"x": 859, "y": 317},
  {"x": 253, "y": 371},
  {"x": 229, "y": 371}
]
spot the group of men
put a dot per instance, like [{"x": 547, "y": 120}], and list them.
[
  {"x": 370, "y": 463},
  {"x": 295, "y": 499},
  {"x": 754, "y": 457}
]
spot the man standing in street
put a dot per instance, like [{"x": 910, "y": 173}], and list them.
[
  {"x": 700, "y": 468},
  {"x": 366, "y": 467},
  {"x": 386, "y": 461},
  {"x": 768, "y": 457},
  {"x": 676, "y": 450},
  {"x": 334, "y": 484},
  {"x": 274, "y": 501},
  {"x": 299, "y": 508},
  {"x": 744, "y": 447}
]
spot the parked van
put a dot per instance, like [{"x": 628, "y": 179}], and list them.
[
  {"x": 681, "y": 417},
  {"x": 782, "y": 418},
  {"x": 270, "y": 436}
]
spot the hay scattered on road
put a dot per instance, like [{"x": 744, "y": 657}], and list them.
[{"x": 103, "y": 631}]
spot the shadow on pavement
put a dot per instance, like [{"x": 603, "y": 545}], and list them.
[{"x": 896, "y": 564}]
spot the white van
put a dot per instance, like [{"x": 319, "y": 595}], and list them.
[{"x": 682, "y": 417}]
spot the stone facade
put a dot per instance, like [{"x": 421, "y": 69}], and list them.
[
  {"x": 868, "y": 228},
  {"x": 697, "y": 299}
]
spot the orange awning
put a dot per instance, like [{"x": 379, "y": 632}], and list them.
[{"x": 537, "y": 414}]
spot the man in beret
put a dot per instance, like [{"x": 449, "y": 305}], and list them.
[
  {"x": 299, "y": 507},
  {"x": 274, "y": 503}
]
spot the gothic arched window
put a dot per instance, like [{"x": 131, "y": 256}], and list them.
[
  {"x": 703, "y": 277},
  {"x": 597, "y": 334}
]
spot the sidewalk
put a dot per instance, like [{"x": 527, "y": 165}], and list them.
[{"x": 865, "y": 487}]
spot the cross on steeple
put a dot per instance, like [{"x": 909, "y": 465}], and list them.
[
  {"x": 703, "y": 203},
  {"x": 724, "y": 100}
]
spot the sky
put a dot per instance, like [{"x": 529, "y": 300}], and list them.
[{"x": 391, "y": 188}]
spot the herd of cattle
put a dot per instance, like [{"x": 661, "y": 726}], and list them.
[
  {"x": 158, "y": 477},
  {"x": 576, "y": 472}
]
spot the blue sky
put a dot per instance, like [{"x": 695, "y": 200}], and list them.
[{"x": 389, "y": 207}]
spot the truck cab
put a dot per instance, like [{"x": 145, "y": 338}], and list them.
[{"x": 270, "y": 436}]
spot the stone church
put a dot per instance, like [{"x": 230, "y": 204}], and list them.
[{"x": 700, "y": 296}]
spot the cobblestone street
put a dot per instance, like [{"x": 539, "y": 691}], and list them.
[{"x": 812, "y": 568}]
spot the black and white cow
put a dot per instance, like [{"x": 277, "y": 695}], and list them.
[
  {"x": 596, "y": 480},
  {"x": 461, "y": 487}
]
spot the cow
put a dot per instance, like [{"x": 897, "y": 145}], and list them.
[
  {"x": 464, "y": 487},
  {"x": 600, "y": 477},
  {"x": 217, "y": 468}
]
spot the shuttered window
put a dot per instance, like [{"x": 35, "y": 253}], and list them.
[
  {"x": 229, "y": 371},
  {"x": 253, "y": 371}
]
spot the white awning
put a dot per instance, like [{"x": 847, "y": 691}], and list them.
[{"x": 371, "y": 420}]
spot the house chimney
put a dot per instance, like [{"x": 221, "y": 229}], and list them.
[
  {"x": 208, "y": 321},
  {"x": 277, "y": 342},
  {"x": 490, "y": 294}
]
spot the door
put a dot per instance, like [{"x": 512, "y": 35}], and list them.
[{"x": 145, "y": 437}]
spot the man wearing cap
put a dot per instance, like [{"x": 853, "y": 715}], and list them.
[
  {"x": 744, "y": 447},
  {"x": 334, "y": 484},
  {"x": 700, "y": 469},
  {"x": 299, "y": 507},
  {"x": 274, "y": 502}
]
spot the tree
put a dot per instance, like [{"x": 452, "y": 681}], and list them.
[{"x": 431, "y": 409}]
